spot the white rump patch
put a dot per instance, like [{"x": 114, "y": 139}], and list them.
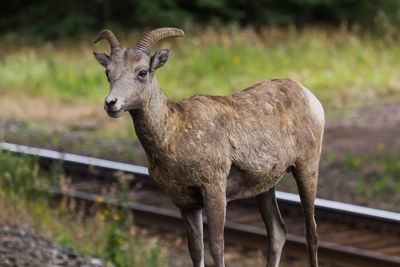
[
  {"x": 314, "y": 104},
  {"x": 318, "y": 110}
]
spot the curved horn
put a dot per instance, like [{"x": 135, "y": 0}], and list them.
[
  {"x": 110, "y": 37},
  {"x": 150, "y": 39}
]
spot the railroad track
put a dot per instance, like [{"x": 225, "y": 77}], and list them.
[{"x": 350, "y": 235}]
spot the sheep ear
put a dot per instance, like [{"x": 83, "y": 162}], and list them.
[
  {"x": 159, "y": 59},
  {"x": 102, "y": 58}
]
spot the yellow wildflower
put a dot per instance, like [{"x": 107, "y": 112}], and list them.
[
  {"x": 381, "y": 146},
  {"x": 100, "y": 199},
  {"x": 106, "y": 212},
  {"x": 116, "y": 217},
  {"x": 236, "y": 60},
  {"x": 120, "y": 241},
  {"x": 357, "y": 162},
  {"x": 72, "y": 77}
]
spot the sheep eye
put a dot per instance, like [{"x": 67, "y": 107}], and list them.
[
  {"x": 143, "y": 73},
  {"x": 107, "y": 72}
]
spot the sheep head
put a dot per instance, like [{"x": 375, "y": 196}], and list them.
[{"x": 130, "y": 71}]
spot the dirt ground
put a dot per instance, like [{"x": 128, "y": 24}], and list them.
[{"x": 364, "y": 131}]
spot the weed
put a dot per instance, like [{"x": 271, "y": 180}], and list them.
[
  {"x": 391, "y": 164},
  {"x": 330, "y": 159},
  {"x": 19, "y": 174},
  {"x": 352, "y": 162},
  {"x": 56, "y": 141},
  {"x": 104, "y": 233},
  {"x": 66, "y": 241}
]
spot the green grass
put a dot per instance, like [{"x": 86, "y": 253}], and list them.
[
  {"x": 103, "y": 232},
  {"x": 343, "y": 69}
]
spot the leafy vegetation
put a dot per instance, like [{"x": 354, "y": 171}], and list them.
[
  {"x": 105, "y": 233},
  {"x": 340, "y": 67}
]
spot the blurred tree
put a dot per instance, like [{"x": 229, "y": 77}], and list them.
[{"x": 52, "y": 19}]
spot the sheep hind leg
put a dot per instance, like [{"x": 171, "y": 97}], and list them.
[
  {"x": 275, "y": 226},
  {"x": 307, "y": 178}
]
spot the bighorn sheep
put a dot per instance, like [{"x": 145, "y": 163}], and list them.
[{"x": 208, "y": 150}]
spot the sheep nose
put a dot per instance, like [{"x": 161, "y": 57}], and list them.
[{"x": 111, "y": 102}]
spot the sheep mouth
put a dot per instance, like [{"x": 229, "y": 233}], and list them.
[{"x": 115, "y": 114}]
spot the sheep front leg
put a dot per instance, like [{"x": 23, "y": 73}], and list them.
[
  {"x": 214, "y": 200},
  {"x": 194, "y": 227}
]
